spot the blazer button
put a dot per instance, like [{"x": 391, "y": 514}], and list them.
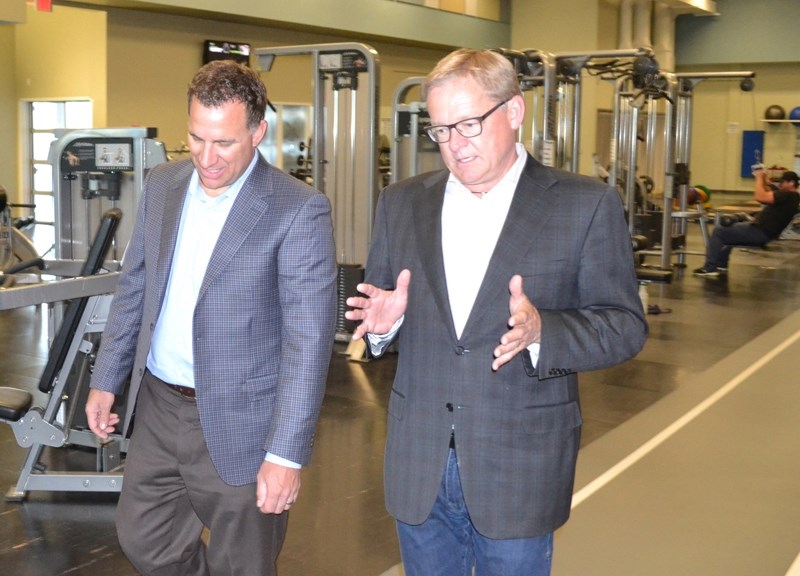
[
  {"x": 449, "y": 406},
  {"x": 460, "y": 350}
]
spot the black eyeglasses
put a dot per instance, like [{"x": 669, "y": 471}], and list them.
[{"x": 469, "y": 128}]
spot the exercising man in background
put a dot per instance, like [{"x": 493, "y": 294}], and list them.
[{"x": 780, "y": 206}]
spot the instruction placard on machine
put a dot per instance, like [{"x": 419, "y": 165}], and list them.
[
  {"x": 98, "y": 154},
  {"x": 350, "y": 60}
]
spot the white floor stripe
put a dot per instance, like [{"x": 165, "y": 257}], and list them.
[
  {"x": 665, "y": 434},
  {"x": 794, "y": 569},
  {"x": 396, "y": 570}
]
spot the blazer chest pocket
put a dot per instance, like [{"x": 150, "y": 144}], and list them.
[{"x": 551, "y": 277}]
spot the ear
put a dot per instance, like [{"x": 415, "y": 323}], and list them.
[
  {"x": 259, "y": 133},
  {"x": 515, "y": 108}
]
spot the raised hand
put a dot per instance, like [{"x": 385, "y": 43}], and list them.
[
  {"x": 378, "y": 309},
  {"x": 525, "y": 325}
]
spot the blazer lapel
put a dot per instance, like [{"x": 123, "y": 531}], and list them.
[
  {"x": 170, "y": 223},
  {"x": 248, "y": 209},
  {"x": 428, "y": 232}
]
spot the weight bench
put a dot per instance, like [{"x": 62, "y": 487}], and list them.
[{"x": 63, "y": 380}]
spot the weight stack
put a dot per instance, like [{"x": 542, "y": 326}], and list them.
[
  {"x": 348, "y": 276},
  {"x": 649, "y": 225}
]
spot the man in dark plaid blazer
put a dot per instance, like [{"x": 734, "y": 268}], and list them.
[
  {"x": 501, "y": 279},
  {"x": 224, "y": 316}
]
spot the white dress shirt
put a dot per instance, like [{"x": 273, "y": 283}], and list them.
[{"x": 471, "y": 226}]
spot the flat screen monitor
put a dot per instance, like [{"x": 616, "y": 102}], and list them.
[{"x": 226, "y": 50}]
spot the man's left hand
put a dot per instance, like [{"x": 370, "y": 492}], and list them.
[
  {"x": 525, "y": 325},
  {"x": 277, "y": 488}
]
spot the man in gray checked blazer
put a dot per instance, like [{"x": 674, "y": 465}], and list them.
[
  {"x": 224, "y": 315},
  {"x": 501, "y": 279}
]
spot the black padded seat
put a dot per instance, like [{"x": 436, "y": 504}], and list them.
[
  {"x": 14, "y": 403},
  {"x": 653, "y": 275}
]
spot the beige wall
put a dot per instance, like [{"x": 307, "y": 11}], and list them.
[
  {"x": 152, "y": 57},
  {"x": 135, "y": 67},
  {"x": 8, "y": 116},
  {"x": 549, "y": 26},
  {"x": 722, "y": 111},
  {"x": 52, "y": 56},
  {"x": 62, "y": 54}
]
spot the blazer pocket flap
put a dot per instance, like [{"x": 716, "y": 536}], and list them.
[
  {"x": 541, "y": 419},
  {"x": 397, "y": 403}
]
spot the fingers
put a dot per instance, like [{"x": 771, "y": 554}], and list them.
[
  {"x": 515, "y": 286},
  {"x": 511, "y": 344},
  {"x": 524, "y": 323},
  {"x": 403, "y": 280},
  {"x": 360, "y": 331},
  {"x": 98, "y": 413},
  {"x": 378, "y": 310},
  {"x": 277, "y": 488}
]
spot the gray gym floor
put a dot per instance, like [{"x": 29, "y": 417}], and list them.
[{"x": 690, "y": 462}]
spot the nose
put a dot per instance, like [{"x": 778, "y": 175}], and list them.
[
  {"x": 207, "y": 156},
  {"x": 456, "y": 139}
]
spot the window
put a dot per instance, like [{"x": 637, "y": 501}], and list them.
[{"x": 43, "y": 119}]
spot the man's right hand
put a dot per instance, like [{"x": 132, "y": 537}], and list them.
[
  {"x": 378, "y": 309},
  {"x": 98, "y": 413}
]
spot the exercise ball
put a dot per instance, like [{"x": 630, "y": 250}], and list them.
[
  {"x": 774, "y": 112},
  {"x": 703, "y": 194},
  {"x": 795, "y": 115}
]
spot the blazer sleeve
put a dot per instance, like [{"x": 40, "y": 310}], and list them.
[
  {"x": 307, "y": 291},
  {"x": 118, "y": 349},
  {"x": 607, "y": 325}
]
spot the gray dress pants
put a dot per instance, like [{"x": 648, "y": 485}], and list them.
[{"x": 171, "y": 492}]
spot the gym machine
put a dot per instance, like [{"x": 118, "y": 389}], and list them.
[
  {"x": 94, "y": 171},
  {"x": 344, "y": 148},
  {"x": 6, "y": 241},
  {"x": 553, "y": 85},
  {"x": 64, "y": 379},
  {"x": 608, "y": 64},
  {"x": 412, "y": 151},
  {"x": 685, "y": 86},
  {"x": 676, "y": 92},
  {"x": 344, "y": 154},
  {"x": 17, "y": 252},
  {"x": 96, "y": 175}
]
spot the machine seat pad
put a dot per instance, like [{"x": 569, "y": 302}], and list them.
[
  {"x": 14, "y": 403},
  {"x": 653, "y": 275}
]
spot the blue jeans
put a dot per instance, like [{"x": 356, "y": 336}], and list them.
[
  {"x": 725, "y": 238},
  {"x": 447, "y": 544}
]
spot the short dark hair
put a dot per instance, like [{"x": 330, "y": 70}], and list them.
[
  {"x": 223, "y": 81},
  {"x": 790, "y": 176}
]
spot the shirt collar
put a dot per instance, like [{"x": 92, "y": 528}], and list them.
[{"x": 197, "y": 192}]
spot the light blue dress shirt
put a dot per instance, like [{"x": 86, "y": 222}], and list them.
[{"x": 171, "y": 358}]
